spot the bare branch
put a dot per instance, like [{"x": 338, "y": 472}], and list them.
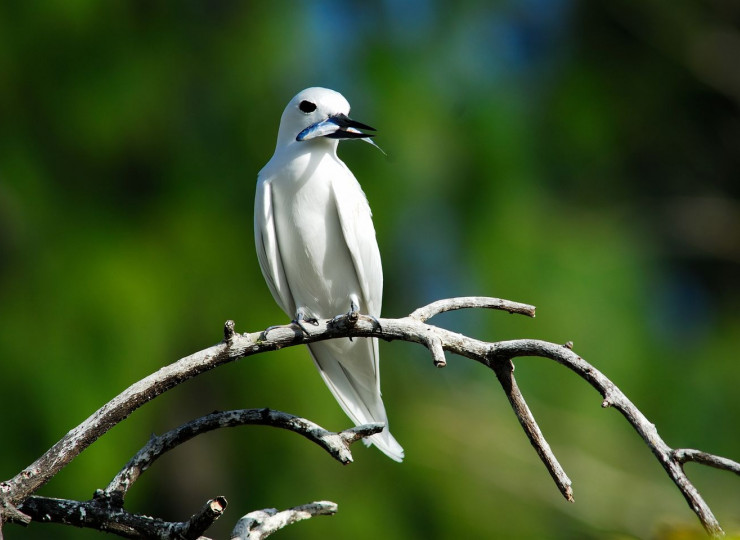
[
  {"x": 337, "y": 444},
  {"x": 434, "y": 345},
  {"x": 262, "y": 523},
  {"x": 425, "y": 313},
  {"x": 97, "y": 514},
  {"x": 684, "y": 455},
  {"x": 613, "y": 397},
  {"x": 10, "y": 512},
  {"x": 505, "y": 374},
  {"x": 202, "y": 520}
]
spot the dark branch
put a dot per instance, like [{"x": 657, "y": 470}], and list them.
[
  {"x": 97, "y": 514},
  {"x": 201, "y": 521},
  {"x": 337, "y": 444}
]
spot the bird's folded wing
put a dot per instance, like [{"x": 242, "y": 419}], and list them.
[
  {"x": 356, "y": 221},
  {"x": 268, "y": 251}
]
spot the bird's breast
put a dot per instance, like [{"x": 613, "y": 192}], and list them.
[{"x": 317, "y": 261}]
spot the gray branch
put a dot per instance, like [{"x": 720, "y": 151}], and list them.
[
  {"x": 685, "y": 455},
  {"x": 262, "y": 523},
  {"x": 336, "y": 444},
  {"x": 414, "y": 328},
  {"x": 505, "y": 374},
  {"x": 425, "y": 313}
]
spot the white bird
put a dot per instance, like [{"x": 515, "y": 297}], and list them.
[{"x": 317, "y": 250}]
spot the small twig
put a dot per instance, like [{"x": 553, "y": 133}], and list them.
[
  {"x": 685, "y": 455},
  {"x": 10, "y": 512},
  {"x": 434, "y": 345},
  {"x": 202, "y": 520},
  {"x": 354, "y": 434},
  {"x": 229, "y": 327},
  {"x": 336, "y": 444},
  {"x": 262, "y": 523},
  {"x": 504, "y": 370},
  {"x": 464, "y": 302}
]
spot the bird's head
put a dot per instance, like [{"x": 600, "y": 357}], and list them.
[{"x": 319, "y": 113}]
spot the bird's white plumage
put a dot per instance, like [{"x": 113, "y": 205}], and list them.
[{"x": 317, "y": 250}]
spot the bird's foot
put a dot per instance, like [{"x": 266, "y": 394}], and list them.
[
  {"x": 352, "y": 316},
  {"x": 270, "y": 329},
  {"x": 377, "y": 322},
  {"x": 300, "y": 318},
  {"x": 354, "y": 312}
]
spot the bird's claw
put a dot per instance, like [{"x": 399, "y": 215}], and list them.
[
  {"x": 300, "y": 318},
  {"x": 353, "y": 316},
  {"x": 270, "y": 329},
  {"x": 376, "y": 321}
]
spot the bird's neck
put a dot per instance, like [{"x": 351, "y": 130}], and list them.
[{"x": 289, "y": 147}]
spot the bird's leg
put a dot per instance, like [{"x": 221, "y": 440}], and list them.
[
  {"x": 376, "y": 321},
  {"x": 300, "y": 318},
  {"x": 352, "y": 315},
  {"x": 354, "y": 310},
  {"x": 270, "y": 329}
]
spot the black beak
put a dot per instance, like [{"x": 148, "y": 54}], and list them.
[
  {"x": 348, "y": 128},
  {"x": 338, "y": 126}
]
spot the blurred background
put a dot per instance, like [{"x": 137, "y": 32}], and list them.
[{"x": 581, "y": 156}]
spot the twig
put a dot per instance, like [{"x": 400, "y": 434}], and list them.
[
  {"x": 434, "y": 345},
  {"x": 202, "y": 520},
  {"x": 262, "y": 523},
  {"x": 425, "y": 313},
  {"x": 685, "y": 455},
  {"x": 505, "y": 373}
]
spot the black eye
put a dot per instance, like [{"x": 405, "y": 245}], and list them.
[{"x": 307, "y": 106}]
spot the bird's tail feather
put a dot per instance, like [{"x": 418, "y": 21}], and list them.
[{"x": 349, "y": 370}]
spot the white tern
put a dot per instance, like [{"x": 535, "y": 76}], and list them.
[{"x": 317, "y": 250}]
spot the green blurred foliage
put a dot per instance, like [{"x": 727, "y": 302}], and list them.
[{"x": 580, "y": 156}]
